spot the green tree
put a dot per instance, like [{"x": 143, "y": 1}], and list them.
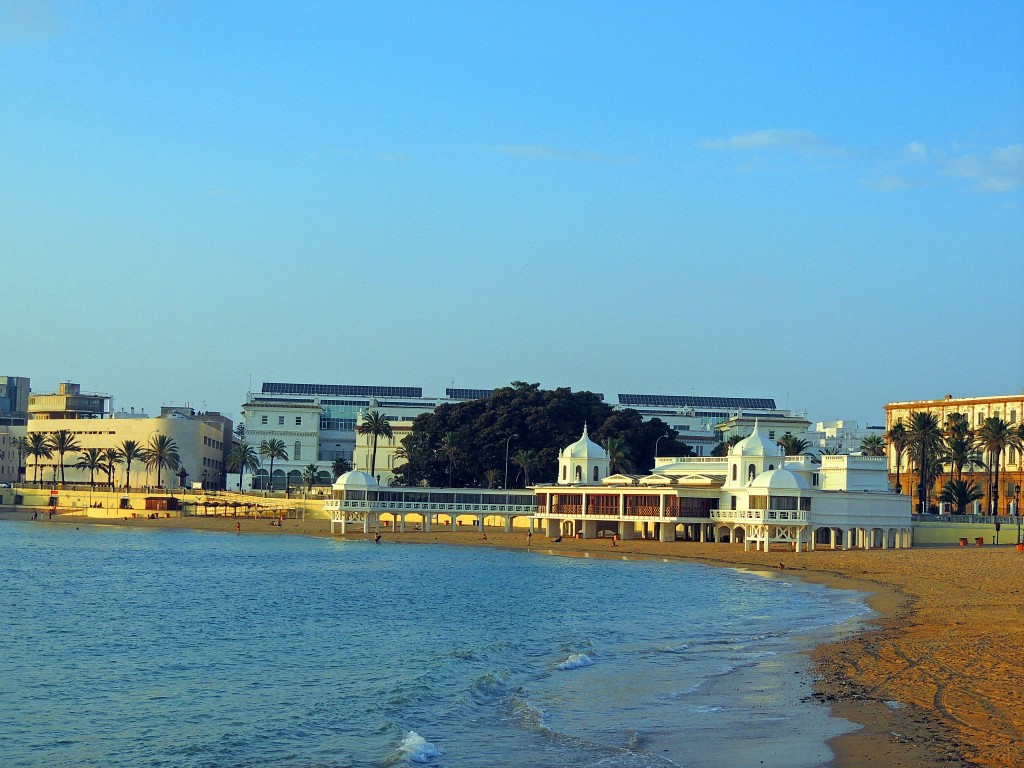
[
  {"x": 161, "y": 452},
  {"x": 722, "y": 449},
  {"x": 242, "y": 457},
  {"x": 994, "y": 437},
  {"x": 618, "y": 454},
  {"x": 309, "y": 475},
  {"x": 873, "y": 445},
  {"x": 340, "y": 466},
  {"x": 274, "y": 449},
  {"x": 376, "y": 425},
  {"x": 525, "y": 459},
  {"x": 792, "y": 445},
  {"x": 449, "y": 448},
  {"x": 897, "y": 439},
  {"x": 130, "y": 451},
  {"x": 63, "y": 442},
  {"x": 111, "y": 458},
  {"x": 91, "y": 460},
  {"x": 39, "y": 447},
  {"x": 924, "y": 438},
  {"x": 492, "y": 478},
  {"x": 960, "y": 493},
  {"x": 21, "y": 446}
]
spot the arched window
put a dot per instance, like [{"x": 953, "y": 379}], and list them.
[
  {"x": 771, "y": 467},
  {"x": 595, "y": 474},
  {"x": 297, "y": 451},
  {"x": 735, "y": 472},
  {"x": 579, "y": 473},
  {"x": 564, "y": 473},
  {"x": 751, "y": 472}
]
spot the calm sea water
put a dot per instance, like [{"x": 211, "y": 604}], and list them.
[{"x": 126, "y": 647}]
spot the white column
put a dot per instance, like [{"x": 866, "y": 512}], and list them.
[
  {"x": 508, "y": 523},
  {"x": 427, "y": 517},
  {"x": 455, "y": 524},
  {"x": 401, "y": 521},
  {"x": 667, "y": 530}
]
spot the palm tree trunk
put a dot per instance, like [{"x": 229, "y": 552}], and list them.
[
  {"x": 270, "y": 479},
  {"x": 373, "y": 456}
]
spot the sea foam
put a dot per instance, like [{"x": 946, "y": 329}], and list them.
[
  {"x": 416, "y": 749},
  {"x": 576, "y": 661}
]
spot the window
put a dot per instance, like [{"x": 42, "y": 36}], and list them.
[
  {"x": 595, "y": 474},
  {"x": 298, "y": 421},
  {"x": 771, "y": 434},
  {"x": 732, "y": 501},
  {"x": 263, "y": 419},
  {"x": 280, "y": 421},
  {"x": 751, "y": 472},
  {"x": 297, "y": 451},
  {"x": 735, "y": 472},
  {"x": 814, "y": 478},
  {"x": 579, "y": 473},
  {"x": 564, "y": 474}
]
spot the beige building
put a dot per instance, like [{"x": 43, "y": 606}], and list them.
[
  {"x": 1010, "y": 408},
  {"x": 387, "y": 449},
  {"x": 203, "y": 440}
]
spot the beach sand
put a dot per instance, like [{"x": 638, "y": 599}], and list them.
[{"x": 933, "y": 681}]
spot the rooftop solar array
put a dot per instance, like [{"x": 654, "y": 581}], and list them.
[
  {"x": 340, "y": 390},
  {"x": 690, "y": 401},
  {"x": 468, "y": 394}
]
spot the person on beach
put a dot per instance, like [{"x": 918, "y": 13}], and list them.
[
  {"x": 376, "y": 538},
  {"x": 529, "y": 538},
  {"x": 238, "y": 527}
]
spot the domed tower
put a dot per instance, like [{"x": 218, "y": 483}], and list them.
[
  {"x": 583, "y": 463},
  {"x": 752, "y": 456}
]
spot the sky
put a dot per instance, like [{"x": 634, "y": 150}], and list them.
[{"x": 817, "y": 202}]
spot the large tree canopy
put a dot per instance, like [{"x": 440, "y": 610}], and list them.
[{"x": 542, "y": 421}]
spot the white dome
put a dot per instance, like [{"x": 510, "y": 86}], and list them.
[
  {"x": 584, "y": 448},
  {"x": 354, "y": 480},
  {"x": 780, "y": 479},
  {"x": 756, "y": 444}
]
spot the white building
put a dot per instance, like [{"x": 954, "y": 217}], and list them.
[
  {"x": 755, "y": 495},
  {"x": 843, "y": 436}
]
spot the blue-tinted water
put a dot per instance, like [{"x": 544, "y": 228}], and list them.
[{"x": 125, "y": 647}]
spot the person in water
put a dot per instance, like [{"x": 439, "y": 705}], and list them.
[{"x": 376, "y": 538}]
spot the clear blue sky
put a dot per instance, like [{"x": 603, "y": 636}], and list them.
[{"x": 817, "y": 202}]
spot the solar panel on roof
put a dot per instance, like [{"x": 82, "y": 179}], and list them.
[
  {"x": 339, "y": 390},
  {"x": 468, "y": 394},
  {"x": 692, "y": 401}
]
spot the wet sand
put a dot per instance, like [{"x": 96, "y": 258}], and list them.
[{"x": 933, "y": 682}]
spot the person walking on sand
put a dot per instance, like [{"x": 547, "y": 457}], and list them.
[
  {"x": 529, "y": 538},
  {"x": 238, "y": 527}
]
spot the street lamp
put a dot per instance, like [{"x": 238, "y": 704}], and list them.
[
  {"x": 660, "y": 437},
  {"x": 504, "y": 484}
]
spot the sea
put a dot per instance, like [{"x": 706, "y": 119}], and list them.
[{"x": 131, "y": 647}]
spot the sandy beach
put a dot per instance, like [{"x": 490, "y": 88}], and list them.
[{"x": 932, "y": 682}]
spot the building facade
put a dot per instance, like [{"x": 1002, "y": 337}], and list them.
[
  {"x": 1009, "y": 408},
  {"x": 14, "y": 392}
]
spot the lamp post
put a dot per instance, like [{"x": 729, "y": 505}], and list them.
[
  {"x": 660, "y": 438},
  {"x": 504, "y": 484}
]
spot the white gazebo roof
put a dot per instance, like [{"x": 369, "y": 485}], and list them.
[
  {"x": 354, "y": 480},
  {"x": 584, "y": 448}
]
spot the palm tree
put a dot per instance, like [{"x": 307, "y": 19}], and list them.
[
  {"x": 897, "y": 438},
  {"x": 450, "y": 450},
  {"x": 273, "y": 449},
  {"x": 340, "y": 466},
  {"x": 21, "y": 446},
  {"x": 925, "y": 438},
  {"x": 618, "y": 454},
  {"x": 960, "y": 493},
  {"x": 242, "y": 457},
  {"x": 111, "y": 458},
  {"x": 491, "y": 477},
  {"x": 63, "y": 441},
  {"x": 128, "y": 452},
  {"x": 873, "y": 445},
  {"x": 38, "y": 448},
  {"x": 91, "y": 460},
  {"x": 309, "y": 474},
  {"x": 994, "y": 437},
  {"x": 792, "y": 445},
  {"x": 376, "y": 424},
  {"x": 524, "y": 459},
  {"x": 162, "y": 452}
]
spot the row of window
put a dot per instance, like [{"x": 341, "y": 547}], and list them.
[
  {"x": 213, "y": 463},
  {"x": 280, "y": 420},
  {"x": 342, "y": 424},
  {"x": 213, "y": 443}
]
